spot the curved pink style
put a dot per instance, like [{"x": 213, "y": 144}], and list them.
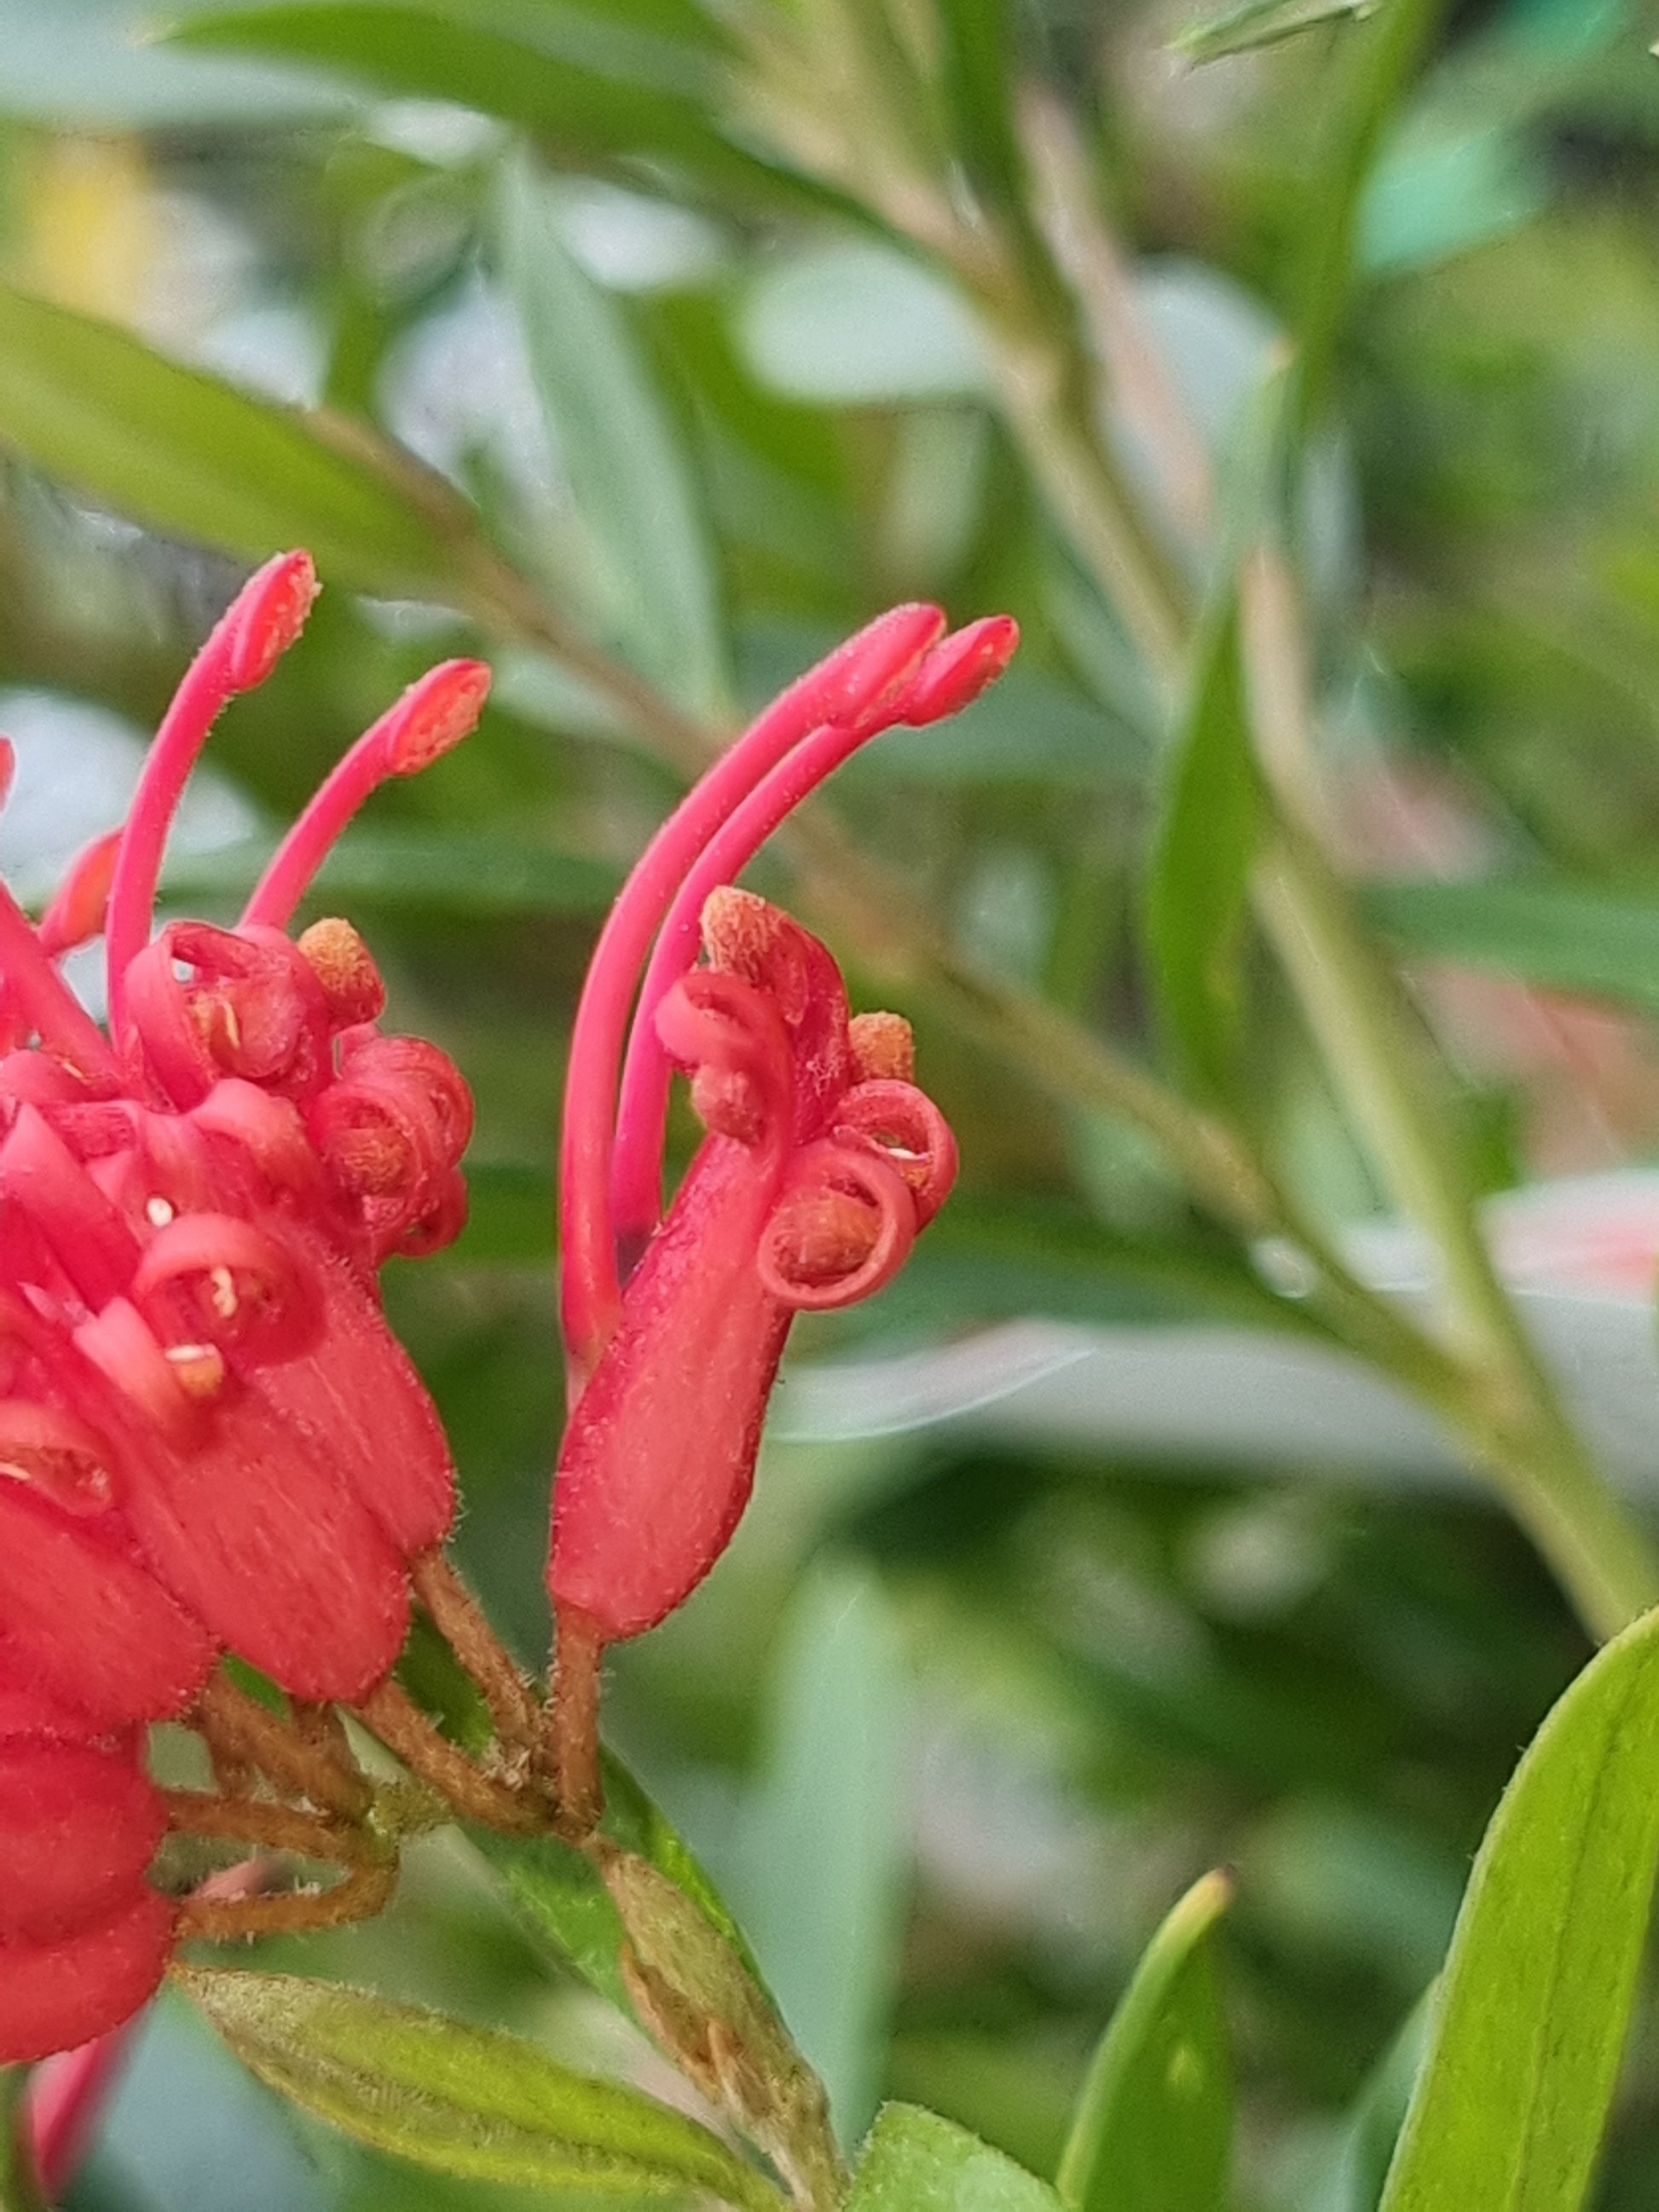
[{"x": 822, "y": 1164}]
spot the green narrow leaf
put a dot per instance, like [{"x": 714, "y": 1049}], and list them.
[
  {"x": 1573, "y": 937},
  {"x": 628, "y": 475},
  {"x": 914, "y": 2161},
  {"x": 561, "y": 1901},
  {"x": 465, "y": 2100},
  {"x": 980, "y": 75},
  {"x": 1353, "y": 2181},
  {"x": 1153, "y": 2125},
  {"x": 823, "y": 1889},
  {"x": 1199, "y": 886},
  {"x": 1264, "y": 23},
  {"x": 1385, "y": 56},
  {"x": 580, "y": 111},
  {"x": 185, "y": 453},
  {"x": 1526, "y": 2033}
]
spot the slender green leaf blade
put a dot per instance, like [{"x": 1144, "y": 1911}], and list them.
[
  {"x": 914, "y": 2161},
  {"x": 1153, "y": 2126},
  {"x": 980, "y": 73},
  {"x": 1571, "y": 937},
  {"x": 1352, "y": 2180},
  {"x": 1524, "y": 2046},
  {"x": 1264, "y": 23},
  {"x": 1200, "y": 880},
  {"x": 466, "y": 2101},
  {"x": 631, "y": 480},
  {"x": 1386, "y": 55},
  {"x": 187, "y": 454},
  {"x": 827, "y": 1845},
  {"x": 580, "y": 111}
]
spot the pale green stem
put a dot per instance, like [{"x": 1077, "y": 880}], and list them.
[{"x": 1506, "y": 1409}]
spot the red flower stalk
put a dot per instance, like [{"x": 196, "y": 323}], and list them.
[
  {"x": 823, "y": 1159},
  {"x": 212, "y": 1439}
]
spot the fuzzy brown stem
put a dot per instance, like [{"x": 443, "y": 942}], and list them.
[
  {"x": 236, "y": 1723},
  {"x": 404, "y": 1728},
  {"x": 323, "y": 1730},
  {"x": 573, "y": 1723},
  {"x": 460, "y": 1620},
  {"x": 365, "y": 1892},
  {"x": 277, "y": 1827}
]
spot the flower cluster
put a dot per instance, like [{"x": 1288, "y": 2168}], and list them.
[
  {"x": 212, "y": 1439},
  {"x": 822, "y": 1162}
]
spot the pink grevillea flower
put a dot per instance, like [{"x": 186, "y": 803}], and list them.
[
  {"x": 821, "y": 1163},
  {"x": 209, "y": 1437},
  {"x": 215, "y": 1437}
]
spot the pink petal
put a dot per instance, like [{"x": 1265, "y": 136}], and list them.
[
  {"x": 78, "y": 1826},
  {"x": 56, "y": 1995}
]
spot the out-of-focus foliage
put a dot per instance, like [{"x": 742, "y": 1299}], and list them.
[{"x": 621, "y": 388}]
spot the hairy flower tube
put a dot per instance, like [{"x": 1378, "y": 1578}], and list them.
[
  {"x": 210, "y": 1439},
  {"x": 823, "y": 1159}
]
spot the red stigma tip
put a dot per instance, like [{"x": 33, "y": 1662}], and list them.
[
  {"x": 8, "y": 763},
  {"x": 268, "y": 614},
  {"x": 435, "y": 714},
  {"x": 871, "y": 666},
  {"x": 954, "y": 673}
]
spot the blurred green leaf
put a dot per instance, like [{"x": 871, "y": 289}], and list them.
[
  {"x": 628, "y": 471},
  {"x": 1264, "y": 22},
  {"x": 913, "y": 2161},
  {"x": 1385, "y": 56},
  {"x": 1443, "y": 186},
  {"x": 1571, "y": 937},
  {"x": 1153, "y": 2126},
  {"x": 466, "y": 2101},
  {"x": 1531, "y": 2016},
  {"x": 439, "y": 871},
  {"x": 1359, "y": 2164},
  {"x": 189, "y": 454},
  {"x": 858, "y": 323},
  {"x": 986, "y": 1258},
  {"x": 1198, "y": 888},
  {"x": 560, "y": 1898},
  {"x": 550, "y": 70},
  {"x": 88, "y": 65},
  {"x": 981, "y": 72},
  {"x": 827, "y": 1837},
  {"x": 509, "y": 1216}
]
